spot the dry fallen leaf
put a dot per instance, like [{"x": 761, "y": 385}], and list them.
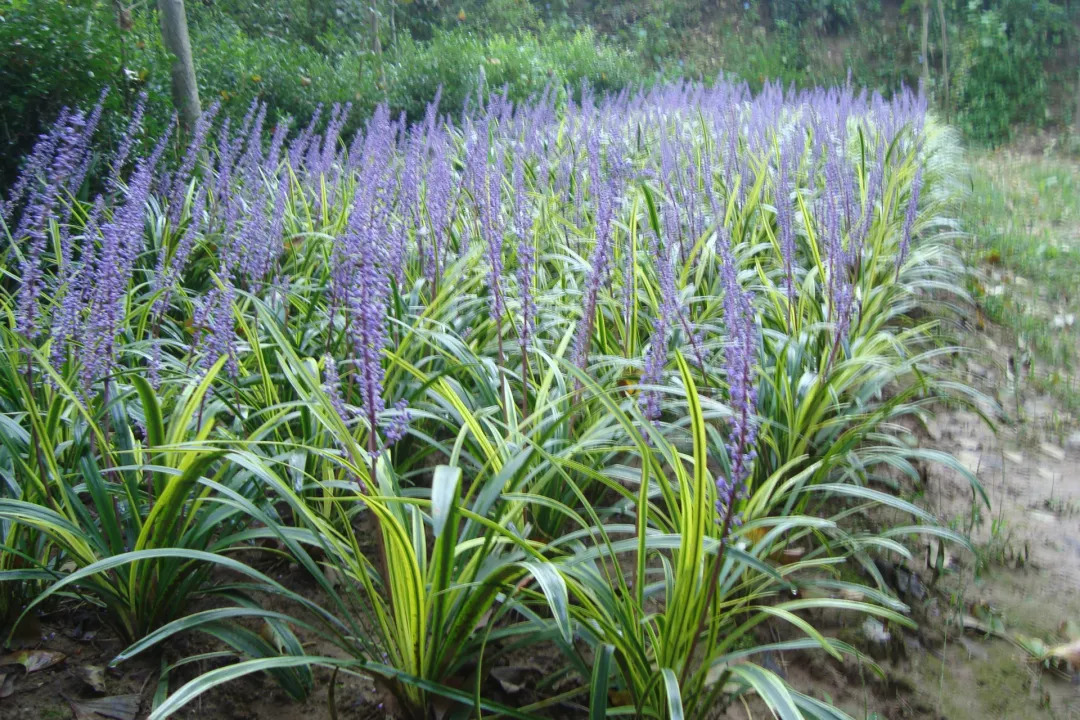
[
  {"x": 94, "y": 676},
  {"x": 7, "y": 685},
  {"x": 117, "y": 707},
  {"x": 511, "y": 679},
  {"x": 1052, "y": 451},
  {"x": 789, "y": 553},
  {"x": 33, "y": 660}
]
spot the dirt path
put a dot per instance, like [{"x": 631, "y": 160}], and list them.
[
  {"x": 1020, "y": 587},
  {"x": 990, "y": 617},
  {"x": 996, "y": 611},
  {"x": 982, "y": 621}
]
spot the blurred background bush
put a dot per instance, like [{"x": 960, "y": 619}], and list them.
[{"x": 998, "y": 65}]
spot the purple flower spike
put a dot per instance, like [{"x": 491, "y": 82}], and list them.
[
  {"x": 909, "y": 218},
  {"x": 485, "y": 183},
  {"x": 656, "y": 359},
  {"x": 604, "y": 189},
  {"x": 526, "y": 254},
  {"x": 439, "y": 203},
  {"x": 739, "y": 357},
  {"x": 785, "y": 220},
  {"x": 399, "y": 423},
  {"x": 183, "y": 175},
  {"x": 121, "y": 242},
  {"x": 128, "y": 142}
]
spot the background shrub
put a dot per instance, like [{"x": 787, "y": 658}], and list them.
[{"x": 1005, "y": 56}]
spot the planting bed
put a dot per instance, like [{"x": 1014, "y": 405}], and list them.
[{"x": 587, "y": 406}]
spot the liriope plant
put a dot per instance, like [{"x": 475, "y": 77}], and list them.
[
  {"x": 416, "y": 610},
  {"x": 132, "y": 529},
  {"x": 665, "y": 329}
]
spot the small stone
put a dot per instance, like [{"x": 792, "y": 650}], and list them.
[
  {"x": 933, "y": 429},
  {"x": 1052, "y": 451},
  {"x": 909, "y": 585},
  {"x": 1073, "y": 441},
  {"x": 1015, "y": 458},
  {"x": 875, "y": 631},
  {"x": 1048, "y": 518}
]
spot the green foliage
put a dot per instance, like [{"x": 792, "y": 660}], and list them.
[
  {"x": 140, "y": 498},
  {"x": 295, "y": 54},
  {"x": 292, "y": 77},
  {"x": 464, "y": 64},
  {"x": 66, "y": 53},
  {"x": 1001, "y": 81},
  {"x": 299, "y": 20},
  {"x": 57, "y": 54},
  {"x": 822, "y": 15},
  {"x": 495, "y": 16}
]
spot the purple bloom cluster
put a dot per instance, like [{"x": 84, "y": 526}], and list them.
[
  {"x": 332, "y": 386},
  {"x": 366, "y": 300},
  {"x": 873, "y": 190},
  {"x": 606, "y": 190},
  {"x": 182, "y": 177},
  {"x": 668, "y": 311},
  {"x": 121, "y": 244},
  {"x": 55, "y": 170},
  {"x": 909, "y": 218},
  {"x": 399, "y": 423},
  {"x": 740, "y": 355},
  {"x": 485, "y": 185},
  {"x": 128, "y": 142},
  {"x": 390, "y": 203},
  {"x": 526, "y": 255},
  {"x": 439, "y": 201},
  {"x": 785, "y": 220}
]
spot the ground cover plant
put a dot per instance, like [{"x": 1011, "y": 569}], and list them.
[{"x": 623, "y": 377}]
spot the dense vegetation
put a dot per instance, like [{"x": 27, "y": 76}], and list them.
[
  {"x": 622, "y": 378},
  {"x": 1009, "y": 62}
]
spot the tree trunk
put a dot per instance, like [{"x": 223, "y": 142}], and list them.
[
  {"x": 174, "y": 31},
  {"x": 944, "y": 55},
  {"x": 925, "y": 47},
  {"x": 1076, "y": 112},
  {"x": 125, "y": 23}
]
